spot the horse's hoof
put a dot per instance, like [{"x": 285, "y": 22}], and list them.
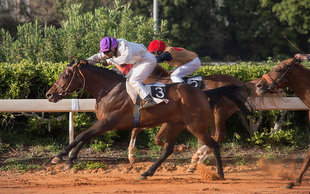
[
  {"x": 142, "y": 178},
  {"x": 191, "y": 169},
  {"x": 131, "y": 160},
  {"x": 289, "y": 185},
  {"x": 55, "y": 160},
  {"x": 180, "y": 148},
  {"x": 68, "y": 166}
]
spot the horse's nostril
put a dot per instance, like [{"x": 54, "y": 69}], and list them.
[{"x": 48, "y": 95}]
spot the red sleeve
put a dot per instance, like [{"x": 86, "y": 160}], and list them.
[{"x": 178, "y": 48}]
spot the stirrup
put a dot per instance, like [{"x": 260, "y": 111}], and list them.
[{"x": 149, "y": 102}]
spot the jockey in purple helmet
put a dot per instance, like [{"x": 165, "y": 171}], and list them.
[{"x": 120, "y": 51}]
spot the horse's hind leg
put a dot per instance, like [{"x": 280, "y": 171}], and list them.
[
  {"x": 131, "y": 147},
  {"x": 172, "y": 131},
  {"x": 218, "y": 134},
  {"x": 161, "y": 134},
  {"x": 200, "y": 131}
]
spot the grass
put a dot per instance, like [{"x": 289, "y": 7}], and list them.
[
  {"x": 89, "y": 165},
  {"x": 20, "y": 166}
]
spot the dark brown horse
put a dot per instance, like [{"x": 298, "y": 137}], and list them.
[
  {"x": 187, "y": 106},
  {"x": 289, "y": 73},
  {"x": 221, "y": 113}
]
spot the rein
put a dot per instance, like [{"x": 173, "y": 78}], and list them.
[{"x": 65, "y": 91}]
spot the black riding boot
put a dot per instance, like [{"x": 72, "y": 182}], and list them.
[{"x": 149, "y": 102}]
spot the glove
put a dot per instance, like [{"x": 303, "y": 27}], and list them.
[{"x": 104, "y": 62}]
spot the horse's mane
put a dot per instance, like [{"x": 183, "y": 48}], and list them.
[{"x": 102, "y": 70}]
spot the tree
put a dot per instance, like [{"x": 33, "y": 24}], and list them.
[
  {"x": 188, "y": 21},
  {"x": 295, "y": 13}
]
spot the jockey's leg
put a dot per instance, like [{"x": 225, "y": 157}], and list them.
[{"x": 185, "y": 70}]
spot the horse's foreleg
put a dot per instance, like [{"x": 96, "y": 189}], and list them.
[
  {"x": 73, "y": 155},
  {"x": 131, "y": 147},
  {"x": 100, "y": 127},
  {"x": 304, "y": 168}
]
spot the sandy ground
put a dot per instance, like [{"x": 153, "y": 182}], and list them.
[{"x": 120, "y": 177}]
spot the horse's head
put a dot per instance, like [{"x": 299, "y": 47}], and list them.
[
  {"x": 68, "y": 81},
  {"x": 277, "y": 78}
]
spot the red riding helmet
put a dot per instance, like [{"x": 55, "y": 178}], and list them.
[{"x": 157, "y": 45}]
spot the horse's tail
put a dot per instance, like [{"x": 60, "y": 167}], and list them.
[{"x": 231, "y": 92}]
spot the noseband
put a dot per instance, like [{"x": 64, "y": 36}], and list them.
[
  {"x": 65, "y": 92},
  {"x": 280, "y": 82}
]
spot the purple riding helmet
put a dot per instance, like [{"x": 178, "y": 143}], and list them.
[{"x": 107, "y": 44}]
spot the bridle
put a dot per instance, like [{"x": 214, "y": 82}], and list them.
[
  {"x": 65, "y": 92},
  {"x": 280, "y": 82}
]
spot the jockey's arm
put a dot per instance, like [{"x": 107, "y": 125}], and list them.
[
  {"x": 166, "y": 56},
  {"x": 96, "y": 58}
]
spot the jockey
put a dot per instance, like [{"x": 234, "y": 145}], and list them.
[
  {"x": 187, "y": 61},
  {"x": 120, "y": 51}
]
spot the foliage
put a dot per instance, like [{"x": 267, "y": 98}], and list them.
[
  {"x": 275, "y": 138},
  {"x": 79, "y": 35},
  {"x": 104, "y": 143},
  {"x": 295, "y": 13},
  {"x": 89, "y": 165},
  {"x": 19, "y": 166}
]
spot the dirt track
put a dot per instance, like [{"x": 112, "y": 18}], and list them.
[{"x": 119, "y": 177}]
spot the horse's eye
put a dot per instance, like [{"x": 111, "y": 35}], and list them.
[{"x": 279, "y": 70}]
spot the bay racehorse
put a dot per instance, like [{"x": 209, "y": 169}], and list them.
[
  {"x": 187, "y": 106},
  {"x": 289, "y": 73},
  {"x": 221, "y": 113}
]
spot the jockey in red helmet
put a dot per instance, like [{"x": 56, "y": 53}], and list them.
[
  {"x": 187, "y": 61},
  {"x": 120, "y": 51}
]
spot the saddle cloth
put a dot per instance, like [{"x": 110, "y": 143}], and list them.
[
  {"x": 195, "y": 81},
  {"x": 157, "y": 91}
]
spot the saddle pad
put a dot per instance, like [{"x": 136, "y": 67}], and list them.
[
  {"x": 157, "y": 90},
  {"x": 195, "y": 81}
]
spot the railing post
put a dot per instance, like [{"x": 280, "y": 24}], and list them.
[{"x": 71, "y": 127}]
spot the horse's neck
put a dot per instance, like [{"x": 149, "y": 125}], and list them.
[
  {"x": 299, "y": 82},
  {"x": 99, "y": 83},
  {"x": 251, "y": 85}
]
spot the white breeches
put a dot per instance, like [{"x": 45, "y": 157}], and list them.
[
  {"x": 140, "y": 72},
  {"x": 185, "y": 70}
]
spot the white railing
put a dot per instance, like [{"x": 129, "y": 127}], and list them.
[{"x": 88, "y": 105}]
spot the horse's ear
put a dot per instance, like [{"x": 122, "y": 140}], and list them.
[
  {"x": 83, "y": 62},
  {"x": 71, "y": 63},
  {"x": 295, "y": 60}
]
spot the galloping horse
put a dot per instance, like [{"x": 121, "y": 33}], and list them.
[
  {"x": 221, "y": 113},
  {"x": 289, "y": 73},
  {"x": 187, "y": 106}
]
